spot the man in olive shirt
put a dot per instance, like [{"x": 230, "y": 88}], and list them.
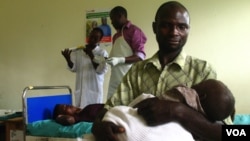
[{"x": 169, "y": 67}]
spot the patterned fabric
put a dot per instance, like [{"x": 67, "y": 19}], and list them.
[{"x": 149, "y": 77}]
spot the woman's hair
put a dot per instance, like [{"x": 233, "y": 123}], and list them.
[{"x": 98, "y": 30}]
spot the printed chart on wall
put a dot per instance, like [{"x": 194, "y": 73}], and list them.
[{"x": 99, "y": 18}]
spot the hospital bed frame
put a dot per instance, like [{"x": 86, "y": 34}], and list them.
[{"x": 30, "y": 108}]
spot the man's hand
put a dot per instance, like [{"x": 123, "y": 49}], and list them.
[
  {"x": 106, "y": 131},
  {"x": 156, "y": 111},
  {"x": 65, "y": 120},
  {"x": 113, "y": 61}
]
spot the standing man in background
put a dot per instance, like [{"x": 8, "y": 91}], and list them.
[
  {"x": 128, "y": 47},
  {"x": 89, "y": 74}
]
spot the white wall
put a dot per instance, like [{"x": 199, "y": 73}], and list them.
[{"x": 33, "y": 32}]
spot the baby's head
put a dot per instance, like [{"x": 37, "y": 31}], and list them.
[{"x": 216, "y": 99}]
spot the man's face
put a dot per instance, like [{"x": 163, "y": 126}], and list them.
[
  {"x": 116, "y": 20},
  {"x": 171, "y": 28}
]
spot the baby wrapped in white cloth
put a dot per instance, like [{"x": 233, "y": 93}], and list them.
[
  {"x": 136, "y": 128},
  {"x": 201, "y": 97}
]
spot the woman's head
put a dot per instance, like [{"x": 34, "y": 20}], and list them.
[
  {"x": 65, "y": 114},
  {"x": 65, "y": 109},
  {"x": 95, "y": 36}
]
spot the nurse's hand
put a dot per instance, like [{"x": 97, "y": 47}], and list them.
[
  {"x": 66, "y": 53},
  {"x": 113, "y": 61}
]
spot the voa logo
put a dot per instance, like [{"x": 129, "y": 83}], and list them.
[{"x": 236, "y": 132}]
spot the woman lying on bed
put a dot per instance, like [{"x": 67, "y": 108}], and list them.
[{"x": 68, "y": 114}]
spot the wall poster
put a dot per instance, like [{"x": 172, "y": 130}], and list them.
[{"x": 99, "y": 18}]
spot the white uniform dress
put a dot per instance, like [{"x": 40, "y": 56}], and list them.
[
  {"x": 89, "y": 81},
  {"x": 120, "y": 49}
]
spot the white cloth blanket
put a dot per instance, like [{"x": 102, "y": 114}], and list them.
[{"x": 136, "y": 128}]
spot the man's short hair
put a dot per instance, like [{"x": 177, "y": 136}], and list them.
[{"x": 119, "y": 10}]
